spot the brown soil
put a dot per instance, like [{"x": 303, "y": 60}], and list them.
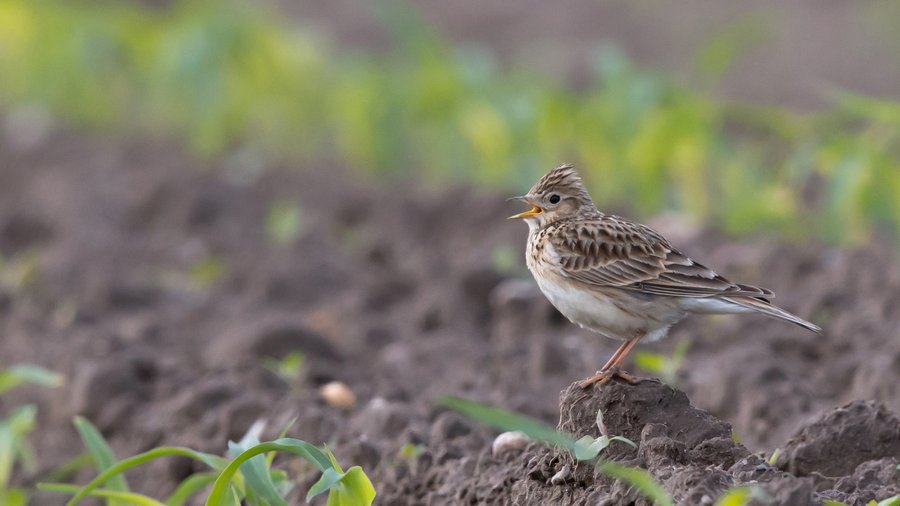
[{"x": 395, "y": 292}]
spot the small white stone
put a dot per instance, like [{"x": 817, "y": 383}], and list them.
[
  {"x": 561, "y": 477},
  {"x": 338, "y": 395},
  {"x": 509, "y": 441}
]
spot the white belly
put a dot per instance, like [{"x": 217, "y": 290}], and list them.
[{"x": 600, "y": 313}]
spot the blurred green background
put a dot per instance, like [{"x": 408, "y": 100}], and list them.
[{"x": 752, "y": 116}]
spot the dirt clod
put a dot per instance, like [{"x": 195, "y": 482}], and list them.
[{"x": 840, "y": 440}]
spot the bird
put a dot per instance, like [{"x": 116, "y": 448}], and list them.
[{"x": 619, "y": 278}]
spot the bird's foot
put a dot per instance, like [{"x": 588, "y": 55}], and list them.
[{"x": 603, "y": 377}]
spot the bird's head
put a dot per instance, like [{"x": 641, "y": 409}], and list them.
[{"x": 559, "y": 194}]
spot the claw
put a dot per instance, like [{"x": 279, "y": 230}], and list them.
[{"x": 604, "y": 377}]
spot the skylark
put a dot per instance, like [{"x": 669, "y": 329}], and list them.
[{"x": 621, "y": 279}]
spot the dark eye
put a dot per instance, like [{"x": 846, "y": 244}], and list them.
[{"x": 553, "y": 198}]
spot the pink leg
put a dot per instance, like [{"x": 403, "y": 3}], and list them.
[{"x": 613, "y": 367}]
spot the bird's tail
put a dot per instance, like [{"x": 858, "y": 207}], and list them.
[{"x": 774, "y": 311}]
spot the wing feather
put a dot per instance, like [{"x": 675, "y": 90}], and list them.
[{"x": 612, "y": 252}]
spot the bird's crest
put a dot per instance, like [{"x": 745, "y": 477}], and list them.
[{"x": 564, "y": 179}]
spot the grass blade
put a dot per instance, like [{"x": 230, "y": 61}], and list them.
[
  {"x": 7, "y": 449},
  {"x": 890, "y": 501},
  {"x": 190, "y": 487},
  {"x": 27, "y": 373},
  {"x": 509, "y": 421},
  {"x": 118, "y": 496},
  {"x": 104, "y": 457},
  {"x": 640, "y": 479},
  {"x": 735, "y": 497},
  {"x": 215, "y": 462},
  {"x": 256, "y": 474},
  {"x": 13, "y": 497},
  {"x": 71, "y": 467},
  {"x": 217, "y": 496}
]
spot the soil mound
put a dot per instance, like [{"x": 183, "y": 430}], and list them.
[{"x": 689, "y": 452}]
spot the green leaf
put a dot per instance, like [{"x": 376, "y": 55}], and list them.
[
  {"x": 829, "y": 502},
  {"x": 538, "y": 431},
  {"x": 738, "y": 496},
  {"x": 104, "y": 458},
  {"x": 71, "y": 467},
  {"x": 215, "y": 462},
  {"x": 190, "y": 487},
  {"x": 20, "y": 423},
  {"x": 509, "y": 421},
  {"x": 208, "y": 271},
  {"x": 587, "y": 448},
  {"x": 654, "y": 363},
  {"x": 287, "y": 368},
  {"x": 890, "y": 501},
  {"x": 284, "y": 223},
  {"x": 26, "y": 373},
  {"x": 640, "y": 479},
  {"x": 7, "y": 451},
  {"x": 13, "y": 497},
  {"x": 256, "y": 473},
  {"x": 774, "y": 458},
  {"x": 112, "y": 495},
  {"x": 297, "y": 447},
  {"x": 284, "y": 430},
  {"x": 353, "y": 489},
  {"x": 625, "y": 440},
  {"x": 326, "y": 481}
]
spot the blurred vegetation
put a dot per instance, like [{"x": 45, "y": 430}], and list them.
[
  {"x": 238, "y": 82},
  {"x": 15, "y": 449}
]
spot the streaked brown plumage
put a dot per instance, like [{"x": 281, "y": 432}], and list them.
[{"x": 621, "y": 279}]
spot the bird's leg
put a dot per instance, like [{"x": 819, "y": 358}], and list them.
[{"x": 613, "y": 367}]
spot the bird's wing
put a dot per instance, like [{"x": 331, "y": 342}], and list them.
[{"x": 613, "y": 252}]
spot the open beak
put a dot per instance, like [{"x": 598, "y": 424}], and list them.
[{"x": 534, "y": 211}]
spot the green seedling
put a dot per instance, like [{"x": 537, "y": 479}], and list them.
[
  {"x": 641, "y": 480},
  {"x": 246, "y": 478},
  {"x": 284, "y": 222},
  {"x": 774, "y": 458},
  {"x": 410, "y": 452},
  {"x": 208, "y": 271},
  {"x": 585, "y": 448},
  {"x": 15, "y": 450},
  {"x": 26, "y": 373},
  {"x": 739, "y": 496},
  {"x": 589, "y": 448},
  {"x": 664, "y": 366},
  {"x": 21, "y": 272},
  {"x": 289, "y": 368}
]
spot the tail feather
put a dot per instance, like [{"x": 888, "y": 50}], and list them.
[{"x": 769, "y": 309}]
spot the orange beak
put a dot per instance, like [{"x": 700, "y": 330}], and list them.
[{"x": 534, "y": 211}]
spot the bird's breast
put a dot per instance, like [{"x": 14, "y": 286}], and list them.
[{"x": 615, "y": 313}]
